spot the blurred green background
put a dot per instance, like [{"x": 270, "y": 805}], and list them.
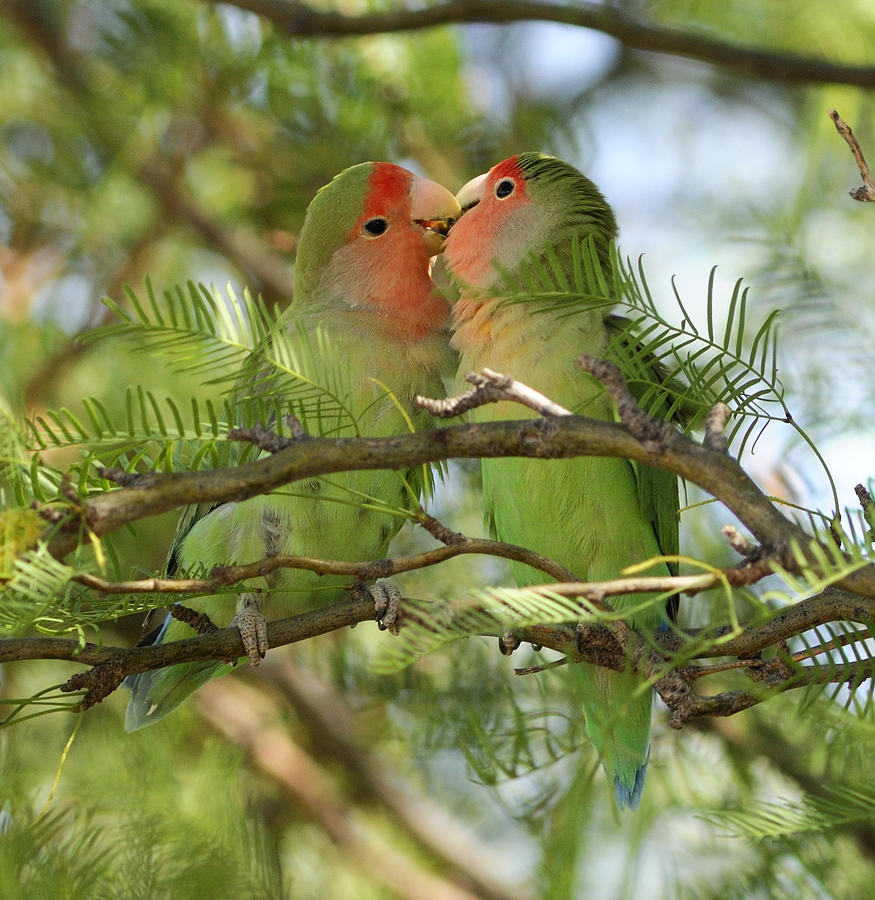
[{"x": 183, "y": 140}]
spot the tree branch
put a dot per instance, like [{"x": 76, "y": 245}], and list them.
[
  {"x": 301, "y": 20},
  {"x": 222, "y": 644},
  {"x": 867, "y": 191},
  {"x": 602, "y": 641},
  {"x": 605, "y": 639},
  {"x": 490, "y": 387},
  {"x": 368, "y": 570},
  {"x": 653, "y": 442},
  {"x": 627, "y": 650}
]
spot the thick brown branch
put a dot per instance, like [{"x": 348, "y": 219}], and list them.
[
  {"x": 602, "y": 640},
  {"x": 559, "y": 437},
  {"x": 301, "y": 20},
  {"x": 604, "y": 624},
  {"x": 830, "y": 606},
  {"x": 728, "y": 703},
  {"x": 219, "y": 645},
  {"x": 627, "y": 650}
]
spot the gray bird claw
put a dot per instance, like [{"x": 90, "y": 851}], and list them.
[
  {"x": 387, "y": 600},
  {"x": 252, "y": 626}
]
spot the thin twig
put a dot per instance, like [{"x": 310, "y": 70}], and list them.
[
  {"x": 490, "y": 387},
  {"x": 543, "y": 667},
  {"x": 715, "y": 424},
  {"x": 739, "y": 543},
  {"x": 653, "y": 433},
  {"x": 263, "y": 437},
  {"x": 438, "y": 530},
  {"x": 696, "y": 672},
  {"x": 198, "y": 621},
  {"x": 857, "y": 635},
  {"x": 866, "y": 193},
  {"x": 224, "y": 576},
  {"x": 867, "y": 504}
]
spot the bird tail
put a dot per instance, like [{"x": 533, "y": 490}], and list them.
[
  {"x": 156, "y": 693},
  {"x": 618, "y": 723}
]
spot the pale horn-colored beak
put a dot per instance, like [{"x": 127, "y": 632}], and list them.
[
  {"x": 471, "y": 194},
  {"x": 434, "y": 209}
]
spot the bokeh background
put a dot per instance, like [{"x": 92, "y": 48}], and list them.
[{"x": 182, "y": 141}]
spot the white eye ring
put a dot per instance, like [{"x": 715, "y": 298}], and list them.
[
  {"x": 504, "y": 188},
  {"x": 375, "y": 227}
]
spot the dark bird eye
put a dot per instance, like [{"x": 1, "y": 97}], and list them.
[
  {"x": 375, "y": 227},
  {"x": 504, "y": 188}
]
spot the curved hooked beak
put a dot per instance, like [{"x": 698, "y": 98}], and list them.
[
  {"x": 434, "y": 209},
  {"x": 471, "y": 194}
]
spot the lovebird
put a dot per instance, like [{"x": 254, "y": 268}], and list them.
[
  {"x": 368, "y": 324},
  {"x": 594, "y": 516}
]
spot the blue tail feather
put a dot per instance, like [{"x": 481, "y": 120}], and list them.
[
  {"x": 630, "y": 795},
  {"x": 156, "y": 693}
]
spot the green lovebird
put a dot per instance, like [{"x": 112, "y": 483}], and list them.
[
  {"x": 368, "y": 324},
  {"x": 595, "y": 516}
]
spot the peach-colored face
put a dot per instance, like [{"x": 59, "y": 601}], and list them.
[
  {"x": 384, "y": 264},
  {"x": 494, "y": 216},
  {"x": 404, "y": 199}
]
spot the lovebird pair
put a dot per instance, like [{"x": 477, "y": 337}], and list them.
[{"x": 364, "y": 283}]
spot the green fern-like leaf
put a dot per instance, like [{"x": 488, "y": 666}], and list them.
[
  {"x": 29, "y": 595},
  {"x": 676, "y": 370},
  {"x": 269, "y": 369},
  {"x": 489, "y": 612},
  {"x": 812, "y": 815},
  {"x": 238, "y": 344}
]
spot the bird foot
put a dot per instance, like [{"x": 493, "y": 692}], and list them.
[
  {"x": 387, "y": 600},
  {"x": 507, "y": 643},
  {"x": 252, "y": 626}
]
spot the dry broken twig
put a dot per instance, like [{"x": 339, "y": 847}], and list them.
[
  {"x": 490, "y": 387},
  {"x": 866, "y": 193}
]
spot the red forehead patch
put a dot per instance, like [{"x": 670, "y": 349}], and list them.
[
  {"x": 389, "y": 185},
  {"x": 509, "y": 167}
]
